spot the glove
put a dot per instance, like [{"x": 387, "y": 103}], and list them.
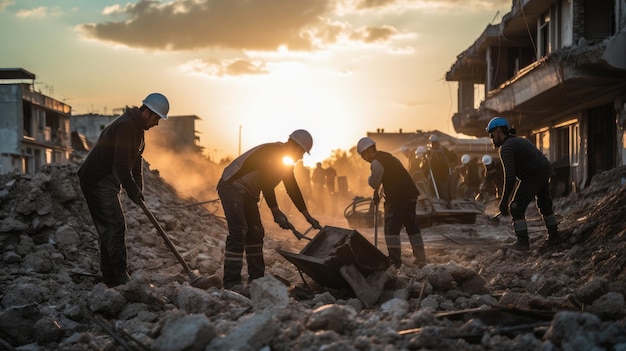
[
  {"x": 504, "y": 208},
  {"x": 312, "y": 221},
  {"x": 138, "y": 197},
  {"x": 281, "y": 219}
]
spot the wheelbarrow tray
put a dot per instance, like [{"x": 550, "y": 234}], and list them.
[{"x": 333, "y": 248}]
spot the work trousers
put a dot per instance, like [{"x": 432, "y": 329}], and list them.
[
  {"x": 398, "y": 215},
  {"x": 245, "y": 232},
  {"x": 103, "y": 201},
  {"x": 525, "y": 193}
]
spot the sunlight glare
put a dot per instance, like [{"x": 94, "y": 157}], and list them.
[{"x": 288, "y": 161}]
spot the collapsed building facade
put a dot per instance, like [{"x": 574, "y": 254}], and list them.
[
  {"x": 34, "y": 128},
  {"x": 556, "y": 69}
]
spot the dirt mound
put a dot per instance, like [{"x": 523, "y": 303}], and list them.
[{"x": 470, "y": 296}]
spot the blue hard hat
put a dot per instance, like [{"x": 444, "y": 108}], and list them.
[{"x": 497, "y": 122}]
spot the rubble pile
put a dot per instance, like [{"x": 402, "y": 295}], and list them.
[{"x": 471, "y": 296}]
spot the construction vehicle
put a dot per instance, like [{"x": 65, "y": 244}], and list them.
[
  {"x": 360, "y": 213},
  {"x": 432, "y": 209}
]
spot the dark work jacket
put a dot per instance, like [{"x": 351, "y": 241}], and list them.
[
  {"x": 261, "y": 169},
  {"x": 522, "y": 160},
  {"x": 118, "y": 152},
  {"x": 397, "y": 183}
]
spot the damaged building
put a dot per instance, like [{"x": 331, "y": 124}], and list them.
[
  {"x": 34, "y": 128},
  {"x": 556, "y": 69}
]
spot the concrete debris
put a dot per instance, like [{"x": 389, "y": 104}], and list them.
[{"x": 51, "y": 292}]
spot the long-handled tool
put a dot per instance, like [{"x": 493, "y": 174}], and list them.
[
  {"x": 300, "y": 235},
  {"x": 375, "y": 223},
  {"x": 195, "y": 280}
]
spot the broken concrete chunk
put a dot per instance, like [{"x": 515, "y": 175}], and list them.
[
  {"x": 184, "y": 333},
  {"x": 332, "y": 317},
  {"x": 268, "y": 292}
]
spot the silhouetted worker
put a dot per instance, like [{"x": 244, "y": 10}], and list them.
[
  {"x": 330, "y": 175},
  {"x": 440, "y": 160},
  {"x": 319, "y": 180},
  {"x": 525, "y": 163},
  {"x": 471, "y": 177},
  {"x": 422, "y": 168},
  {"x": 116, "y": 162},
  {"x": 257, "y": 171},
  {"x": 303, "y": 177},
  {"x": 493, "y": 177},
  {"x": 400, "y": 200},
  {"x": 412, "y": 162}
]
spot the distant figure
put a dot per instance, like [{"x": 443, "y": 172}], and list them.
[
  {"x": 440, "y": 161},
  {"x": 319, "y": 181},
  {"x": 116, "y": 162},
  {"x": 400, "y": 200},
  {"x": 493, "y": 178},
  {"x": 412, "y": 161},
  {"x": 331, "y": 175},
  {"x": 421, "y": 169},
  {"x": 525, "y": 163},
  {"x": 471, "y": 177},
  {"x": 259, "y": 170},
  {"x": 303, "y": 177}
]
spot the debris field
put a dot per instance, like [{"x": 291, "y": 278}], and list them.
[{"x": 471, "y": 295}]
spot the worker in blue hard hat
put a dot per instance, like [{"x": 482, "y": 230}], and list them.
[{"x": 527, "y": 174}]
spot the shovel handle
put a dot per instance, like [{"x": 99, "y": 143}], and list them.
[
  {"x": 299, "y": 235},
  {"x": 168, "y": 241}
]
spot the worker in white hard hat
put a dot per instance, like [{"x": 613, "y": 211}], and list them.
[
  {"x": 259, "y": 170},
  {"x": 400, "y": 195},
  {"x": 441, "y": 162},
  {"x": 471, "y": 176},
  {"x": 493, "y": 178},
  {"x": 113, "y": 163}
]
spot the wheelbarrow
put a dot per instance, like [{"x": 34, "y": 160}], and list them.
[{"x": 333, "y": 248}]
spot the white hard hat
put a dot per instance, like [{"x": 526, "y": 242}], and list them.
[
  {"x": 420, "y": 151},
  {"x": 364, "y": 144},
  {"x": 432, "y": 138},
  {"x": 302, "y": 138},
  {"x": 158, "y": 104},
  {"x": 465, "y": 159},
  {"x": 487, "y": 160}
]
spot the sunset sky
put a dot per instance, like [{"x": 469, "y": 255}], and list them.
[{"x": 338, "y": 68}]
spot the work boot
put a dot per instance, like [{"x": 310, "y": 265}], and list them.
[
  {"x": 121, "y": 276},
  {"x": 521, "y": 244},
  {"x": 553, "y": 240},
  {"x": 108, "y": 277},
  {"x": 243, "y": 290},
  {"x": 417, "y": 244},
  {"x": 396, "y": 262}
]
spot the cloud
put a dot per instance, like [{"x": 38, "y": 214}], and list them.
[
  {"x": 215, "y": 68},
  {"x": 200, "y": 24},
  {"x": 375, "y": 34},
  {"x": 5, "y": 3},
  {"x": 38, "y": 12}
]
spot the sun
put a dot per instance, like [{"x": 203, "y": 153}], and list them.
[{"x": 288, "y": 161}]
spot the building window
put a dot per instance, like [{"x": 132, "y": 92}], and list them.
[
  {"x": 566, "y": 142},
  {"x": 542, "y": 141}
]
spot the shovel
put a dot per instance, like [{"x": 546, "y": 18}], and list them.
[
  {"x": 299, "y": 235},
  {"x": 195, "y": 280},
  {"x": 375, "y": 224}
]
